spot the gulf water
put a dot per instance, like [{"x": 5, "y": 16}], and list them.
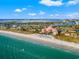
[{"x": 12, "y": 48}]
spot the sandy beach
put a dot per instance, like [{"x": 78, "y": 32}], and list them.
[{"x": 46, "y": 39}]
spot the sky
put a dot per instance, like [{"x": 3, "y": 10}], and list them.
[{"x": 39, "y": 9}]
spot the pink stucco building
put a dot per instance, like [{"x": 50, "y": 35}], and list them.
[{"x": 50, "y": 29}]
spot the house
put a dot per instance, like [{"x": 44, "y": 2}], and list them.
[{"x": 50, "y": 29}]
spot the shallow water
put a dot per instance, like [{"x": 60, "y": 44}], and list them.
[{"x": 11, "y": 48}]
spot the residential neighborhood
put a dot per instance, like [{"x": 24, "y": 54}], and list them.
[{"x": 67, "y": 28}]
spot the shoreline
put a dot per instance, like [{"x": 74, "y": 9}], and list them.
[{"x": 47, "y": 40}]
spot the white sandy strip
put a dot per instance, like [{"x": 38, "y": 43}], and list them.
[{"x": 44, "y": 38}]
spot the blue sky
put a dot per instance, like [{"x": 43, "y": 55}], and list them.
[{"x": 39, "y": 9}]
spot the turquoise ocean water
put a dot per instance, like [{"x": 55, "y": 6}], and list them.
[{"x": 11, "y": 48}]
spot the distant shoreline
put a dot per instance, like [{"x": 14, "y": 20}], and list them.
[{"x": 51, "y": 41}]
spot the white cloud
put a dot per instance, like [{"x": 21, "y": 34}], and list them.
[
  {"x": 18, "y": 10},
  {"x": 41, "y": 13},
  {"x": 23, "y": 9},
  {"x": 73, "y": 15},
  {"x": 51, "y": 15},
  {"x": 54, "y": 15},
  {"x": 51, "y": 3},
  {"x": 57, "y": 15},
  {"x": 73, "y": 2},
  {"x": 32, "y": 14}
]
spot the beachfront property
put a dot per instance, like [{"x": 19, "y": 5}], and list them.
[
  {"x": 24, "y": 25},
  {"x": 50, "y": 29},
  {"x": 39, "y": 26},
  {"x": 66, "y": 27}
]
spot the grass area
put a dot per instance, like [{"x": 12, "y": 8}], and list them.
[{"x": 67, "y": 38}]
